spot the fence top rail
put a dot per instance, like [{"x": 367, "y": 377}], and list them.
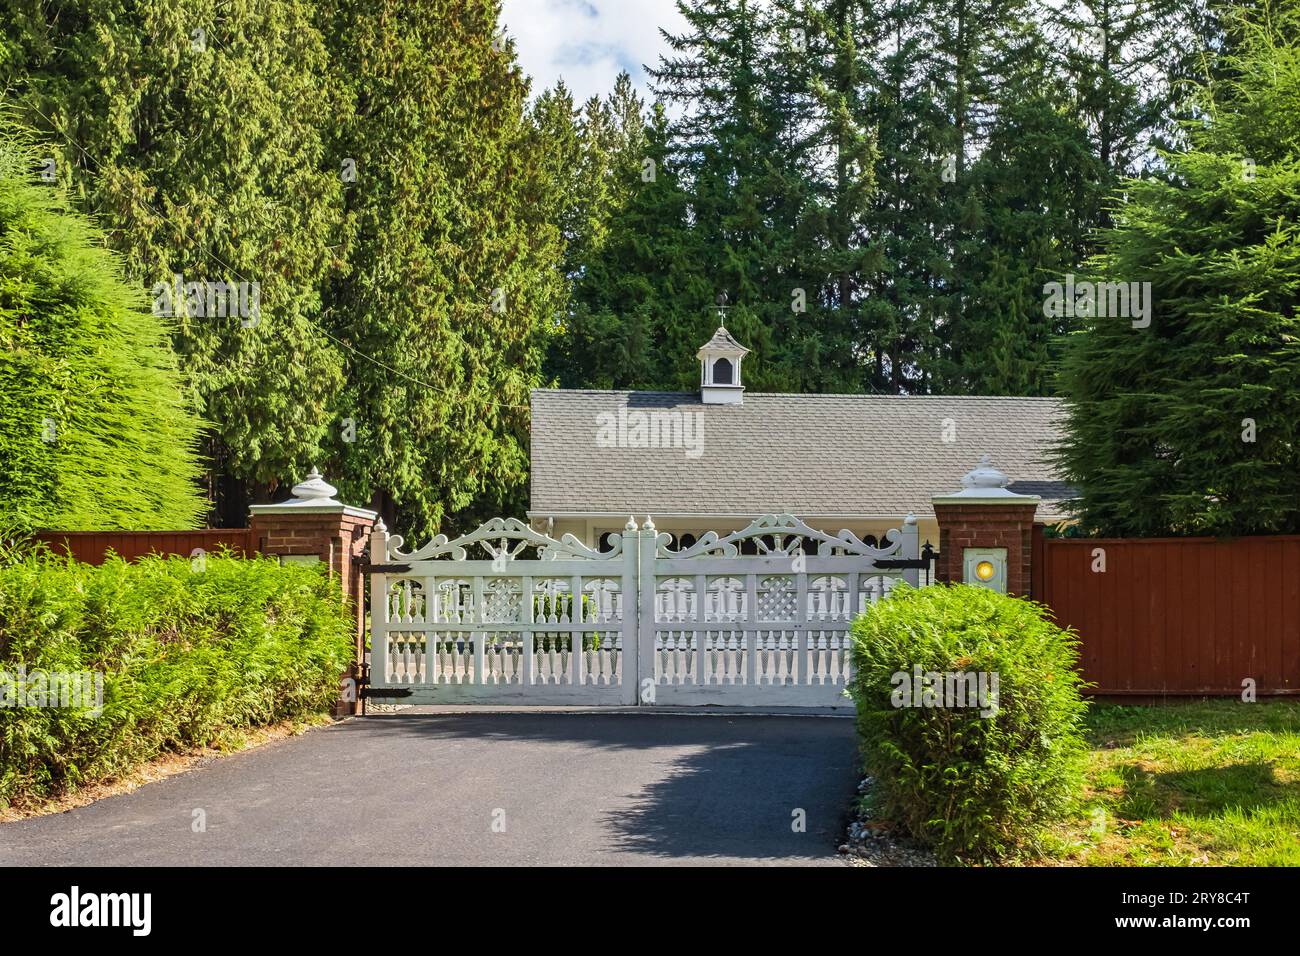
[
  {"x": 1083, "y": 542},
  {"x": 415, "y": 570},
  {"x": 204, "y": 532},
  {"x": 764, "y": 565},
  {"x": 503, "y": 540}
]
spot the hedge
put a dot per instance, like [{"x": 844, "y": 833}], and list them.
[
  {"x": 190, "y": 656},
  {"x": 975, "y": 780},
  {"x": 98, "y": 428}
]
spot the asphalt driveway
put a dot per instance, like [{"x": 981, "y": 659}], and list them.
[{"x": 515, "y": 789}]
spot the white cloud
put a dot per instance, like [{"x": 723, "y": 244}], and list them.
[{"x": 589, "y": 42}]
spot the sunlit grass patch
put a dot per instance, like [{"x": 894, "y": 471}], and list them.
[{"x": 1205, "y": 783}]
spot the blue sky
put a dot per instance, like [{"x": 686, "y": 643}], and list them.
[{"x": 587, "y": 42}]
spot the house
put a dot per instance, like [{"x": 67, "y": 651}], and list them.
[{"x": 714, "y": 459}]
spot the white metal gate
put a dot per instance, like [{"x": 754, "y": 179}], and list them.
[{"x": 509, "y": 615}]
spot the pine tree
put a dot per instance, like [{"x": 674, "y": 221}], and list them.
[
  {"x": 636, "y": 316},
  {"x": 1127, "y": 60},
  {"x": 1039, "y": 189},
  {"x": 909, "y": 263},
  {"x": 559, "y": 126},
  {"x": 748, "y": 162},
  {"x": 821, "y": 74},
  {"x": 591, "y": 158},
  {"x": 1191, "y": 425}
]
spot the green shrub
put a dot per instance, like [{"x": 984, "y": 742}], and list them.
[
  {"x": 190, "y": 657},
  {"x": 974, "y": 787},
  {"x": 97, "y": 428}
]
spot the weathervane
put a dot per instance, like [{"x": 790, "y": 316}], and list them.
[{"x": 722, "y": 308}]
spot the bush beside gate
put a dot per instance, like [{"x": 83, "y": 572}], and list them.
[
  {"x": 191, "y": 654},
  {"x": 974, "y": 771}
]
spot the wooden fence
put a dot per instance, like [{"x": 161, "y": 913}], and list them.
[
  {"x": 1172, "y": 616},
  {"x": 93, "y": 546}
]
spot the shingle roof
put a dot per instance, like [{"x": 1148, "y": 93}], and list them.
[
  {"x": 834, "y": 455},
  {"x": 722, "y": 341}
]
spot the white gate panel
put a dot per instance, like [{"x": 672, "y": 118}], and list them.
[
  {"x": 765, "y": 630},
  {"x": 474, "y": 620},
  {"x": 554, "y": 629}
]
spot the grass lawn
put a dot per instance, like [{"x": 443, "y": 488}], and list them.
[{"x": 1213, "y": 783}]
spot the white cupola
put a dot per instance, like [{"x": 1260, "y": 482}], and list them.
[{"x": 720, "y": 369}]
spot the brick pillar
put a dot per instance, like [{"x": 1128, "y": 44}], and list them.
[
  {"x": 987, "y": 517},
  {"x": 313, "y": 527}
]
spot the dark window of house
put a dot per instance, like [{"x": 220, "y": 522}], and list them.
[
  {"x": 688, "y": 540},
  {"x": 603, "y": 545},
  {"x": 722, "y": 372}
]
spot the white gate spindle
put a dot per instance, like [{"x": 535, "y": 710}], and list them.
[
  {"x": 578, "y": 666},
  {"x": 477, "y": 637},
  {"x": 529, "y": 607}
]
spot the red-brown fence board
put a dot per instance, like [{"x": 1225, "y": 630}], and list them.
[
  {"x": 1178, "y": 615},
  {"x": 93, "y": 547}
]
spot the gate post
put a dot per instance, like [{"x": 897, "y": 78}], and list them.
[
  {"x": 379, "y": 610},
  {"x": 631, "y": 611},
  {"x": 645, "y": 650},
  {"x": 313, "y": 527},
  {"x": 985, "y": 532}
]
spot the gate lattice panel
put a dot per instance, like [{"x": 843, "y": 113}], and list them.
[{"x": 509, "y": 615}]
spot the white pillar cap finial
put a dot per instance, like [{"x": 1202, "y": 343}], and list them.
[
  {"x": 314, "y": 488},
  {"x": 315, "y": 495},
  {"x": 984, "y": 475},
  {"x": 985, "y": 484}
]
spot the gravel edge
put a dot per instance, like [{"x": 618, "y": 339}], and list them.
[{"x": 875, "y": 842}]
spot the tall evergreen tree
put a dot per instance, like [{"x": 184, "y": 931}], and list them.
[
  {"x": 1192, "y": 425},
  {"x": 193, "y": 130},
  {"x": 635, "y": 317},
  {"x": 1127, "y": 60},
  {"x": 747, "y": 164},
  {"x": 559, "y": 125},
  {"x": 906, "y": 267},
  {"x": 1039, "y": 190},
  {"x": 453, "y": 266},
  {"x": 588, "y": 156},
  {"x": 822, "y": 73}
]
